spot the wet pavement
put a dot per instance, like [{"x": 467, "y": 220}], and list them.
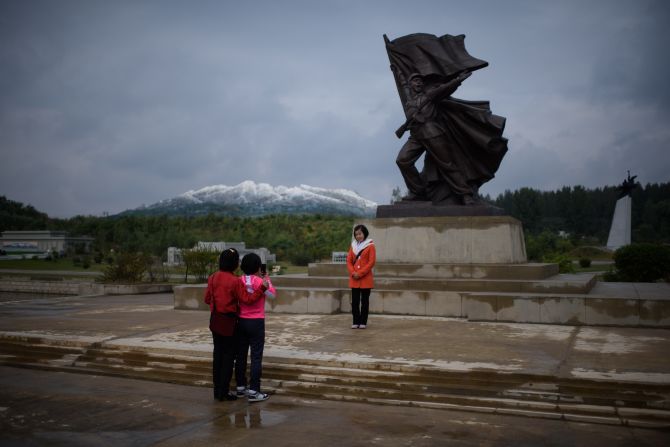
[
  {"x": 60, "y": 409},
  {"x": 55, "y": 408},
  {"x": 149, "y": 322}
]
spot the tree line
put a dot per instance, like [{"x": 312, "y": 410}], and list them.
[
  {"x": 298, "y": 239},
  {"x": 585, "y": 214}
]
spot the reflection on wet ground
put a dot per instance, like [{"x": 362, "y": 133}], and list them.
[
  {"x": 53, "y": 408},
  {"x": 254, "y": 416},
  {"x": 48, "y": 408}
]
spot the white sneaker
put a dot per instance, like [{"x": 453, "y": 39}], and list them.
[
  {"x": 361, "y": 326},
  {"x": 354, "y": 326},
  {"x": 257, "y": 396},
  {"x": 242, "y": 391}
]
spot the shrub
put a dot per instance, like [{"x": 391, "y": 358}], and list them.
[
  {"x": 157, "y": 270},
  {"x": 52, "y": 255},
  {"x": 591, "y": 252},
  {"x": 564, "y": 262},
  {"x": 200, "y": 263},
  {"x": 642, "y": 262},
  {"x": 584, "y": 262},
  {"x": 300, "y": 258},
  {"x": 611, "y": 275},
  {"x": 127, "y": 267},
  {"x": 545, "y": 244}
]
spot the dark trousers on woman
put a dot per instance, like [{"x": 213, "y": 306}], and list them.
[
  {"x": 222, "y": 364},
  {"x": 250, "y": 336},
  {"x": 360, "y": 304}
]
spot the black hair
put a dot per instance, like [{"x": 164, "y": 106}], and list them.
[
  {"x": 251, "y": 263},
  {"x": 363, "y": 229},
  {"x": 229, "y": 260}
]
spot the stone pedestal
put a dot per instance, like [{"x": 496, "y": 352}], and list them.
[
  {"x": 448, "y": 240},
  {"x": 621, "y": 224},
  {"x": 428, "y": 209}
]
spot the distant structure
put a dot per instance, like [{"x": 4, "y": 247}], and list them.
[
  {"x": 43, "y": 241},
  {"x": 621, "y": 221},
  {"x": 339, "y": 257},
  {"x": 174, "y": 255}
]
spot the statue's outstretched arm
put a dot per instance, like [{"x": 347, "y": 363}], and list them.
[{"x": 448, "y": 88}]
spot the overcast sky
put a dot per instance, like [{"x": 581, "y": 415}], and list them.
[{"x": 108, "y": 105}]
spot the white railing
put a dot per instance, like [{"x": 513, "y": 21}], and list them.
[{"x": 339, "y": 257}]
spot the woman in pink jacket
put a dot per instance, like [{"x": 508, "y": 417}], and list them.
[
  {"x": 250, "y": 330},
  {"x": 360, "y": 261}
]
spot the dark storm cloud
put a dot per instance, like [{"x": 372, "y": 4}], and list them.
[
  {"x": 634, "y": 65},
  {"x": 108, "y": 105}
]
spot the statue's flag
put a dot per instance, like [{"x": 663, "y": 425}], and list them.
[
  {"x": 430, "y": 55},
  {"x": 472, "y": 142}
]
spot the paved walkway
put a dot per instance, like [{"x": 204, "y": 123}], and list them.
[
  {"x": 40, "y": 408},
  {"x": 58, "y": 409},
  {"x": 604, "y": 353}
]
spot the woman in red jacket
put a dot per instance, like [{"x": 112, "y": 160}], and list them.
[
  {"x": 360, "y": 261},
  {"x": 224, "y": 293}
]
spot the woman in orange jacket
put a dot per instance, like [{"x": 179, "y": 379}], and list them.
[{"x": 360, "y": 261}]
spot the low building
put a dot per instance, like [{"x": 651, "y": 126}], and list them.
[
  {"x": 174, "y": 256},
  {"x": 43, "y": 241}
]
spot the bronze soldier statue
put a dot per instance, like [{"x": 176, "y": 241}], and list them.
[{"x": 462, "y": 140}]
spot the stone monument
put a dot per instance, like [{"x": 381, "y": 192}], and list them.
[
  {"x": 462, "y": 140},
  {"x": 621, "y": 221},
  {"x": 442, "y": 218}
]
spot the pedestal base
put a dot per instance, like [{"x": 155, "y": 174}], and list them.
[
  {"x": 428, "y": 209},
  {"x": 457, "y": 240}
]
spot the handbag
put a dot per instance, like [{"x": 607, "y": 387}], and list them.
[{"x": 220, "y": 323}]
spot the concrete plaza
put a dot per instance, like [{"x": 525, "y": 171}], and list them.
[{"x": 524, "y": 359}]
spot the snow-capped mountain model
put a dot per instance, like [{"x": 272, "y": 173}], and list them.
[{"x": 258, "y": 199}]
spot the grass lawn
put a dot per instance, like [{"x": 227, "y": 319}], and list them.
[{"x": 288, "y": 269}]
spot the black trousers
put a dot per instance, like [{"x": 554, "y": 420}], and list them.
[
  {"x": 250, "y": 336},
  {"x": 223, "y": 360},
  {"x": 360, "y": 304}
]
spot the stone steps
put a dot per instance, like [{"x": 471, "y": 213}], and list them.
[
  {"x": 539, "y": 303},
  {"x": 509, "y": 293},
  {"x": 567, "y": 284},
  {"x": 519, "y": 407},
  {"x": 529, "y": 271},
  {"x": 471, "y": 383},
  {"x": 392, "y": 384},
  {"x": 18, "y": 352}
]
